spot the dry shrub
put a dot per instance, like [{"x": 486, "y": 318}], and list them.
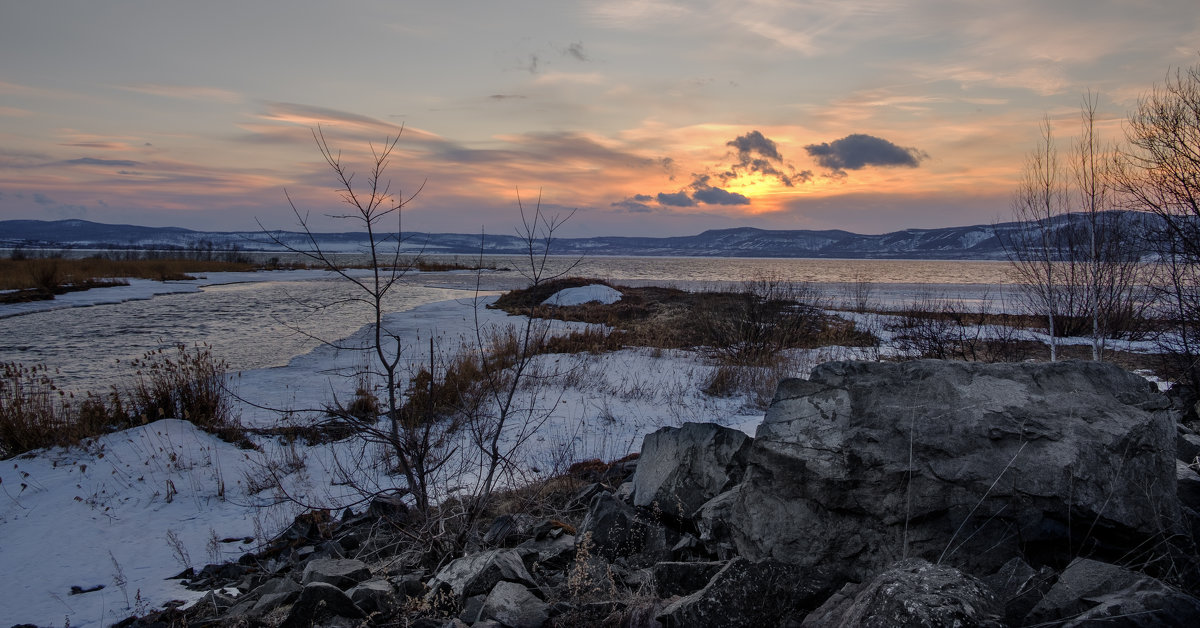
[
  {"x": 946, "y": 329},
  {"x": 51, "y": 273},
  {"x": 185, "y": 384},
  {"x": 32, "y": 410},
  {"x": 189, "y": 385}
]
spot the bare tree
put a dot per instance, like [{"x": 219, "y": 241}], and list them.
[
  {"x": 416, "y": 442},
  {"x": 1159, "y": 172},
  {"x": 1033, "y": 245},
  {"x": 509, "y": 419}
]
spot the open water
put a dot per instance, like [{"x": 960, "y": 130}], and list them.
[{"x": 266, "y": 323}]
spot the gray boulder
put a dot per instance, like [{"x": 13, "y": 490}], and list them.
[
  {"x": 513, "y": 606},
  {"x": 682, "y": 468},
  {"x": 478, "y": 573},
  {"x": 1019, "y": 587},
  {"x": 612, "y": 528},
  {"x": 1188, "y": 482},
  {"x": 911, "y": 593},
  {"x": 342, "y": 573},
  {"x": 373, "y": 596},
  {"x": 750, "y": 593},
  {"x": 1090, "y": 591},
  {"x": 962, "y": 463},
  {"x": 320, "y": 601}
]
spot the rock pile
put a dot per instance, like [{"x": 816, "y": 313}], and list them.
[{"x": 873, "y": 494}]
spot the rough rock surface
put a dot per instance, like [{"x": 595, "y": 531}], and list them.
[
  {"x": 967, "y": 462},
  {"x": 514, "y": 606},
  {"x": 750, "y": 593},
  {"x": 478, "y": 573},
  {"x": 320, "y": 601},
  {"x": 342, "y": 573},
  {"x": 1013, "y": 471},
  {"x": 612, "y": 528},
  {"x": 1089, "y": 590},
  {"x": 911, "y": 593},
  {"x": 682, "y": 468}
]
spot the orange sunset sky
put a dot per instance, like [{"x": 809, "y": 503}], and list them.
[{"x": 647, "y": 117}]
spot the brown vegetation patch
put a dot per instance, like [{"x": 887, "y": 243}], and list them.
[
  {"x": 748, "y": 326},
  {"x": 180, "y": 383},
  {"x": 48, "y": 274}
]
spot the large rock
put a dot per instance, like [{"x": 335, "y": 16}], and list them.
[
  {"x": 750, "y": 593},
  {"x": 964, "y": 463},
  {"x": 682, "y": 468},
  {"x": 342, "y": 573},
  {"x": 478, "y": 573},
  {"x": 1094, "y": 593},
  {"x": 320, "y": 601},
  {"x": 514, "y": 606},
  {"x": 611, "y": 528},
  {"x": 911, "y": 593}
]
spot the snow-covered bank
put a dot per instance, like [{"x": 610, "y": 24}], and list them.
[{"x": 131, "y": 508}]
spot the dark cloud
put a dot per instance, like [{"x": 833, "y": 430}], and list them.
[
  {"x": 717, "y": 196},
  {"x": 633, "y": 206},
  {"x": 42, "y": 199},
  {"x": 705, "y": 193},
  {"x": 677, "y": 199},
  {"x": 130, "y": 172},
  {"x": 506, "y": 97},
  {"x": 92, "y": 161},
  {"x": 753, "y": 143},
  {"x": 642, "y": 198},
  {"x": 576, "y": 50},
  {"x": 857, "y": 151},
  {"x": 756, "y": 153},
  {"x": 532, "y": 66}
]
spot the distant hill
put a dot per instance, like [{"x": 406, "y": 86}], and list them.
[{"x": 978, "y": 242}]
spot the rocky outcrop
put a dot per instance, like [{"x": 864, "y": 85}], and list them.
[
  {"x": 924, "y": 493},
  {"x": 682, "y": 468},
  {"x": 911, "y": 593},
  {"x": 964, "y": 463}
]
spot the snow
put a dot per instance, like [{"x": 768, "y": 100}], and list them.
[
  {"x": 135, "y": 506},
  {"x": 594, "y": 293},
  {"x": 106, "y": 512}
]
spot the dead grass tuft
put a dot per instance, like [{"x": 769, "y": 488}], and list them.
[{"x": 184, "y": 384}]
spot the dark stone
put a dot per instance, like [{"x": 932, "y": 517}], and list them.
[
  {"x": 509, "y": 530},
  {"x": 751, "y": 593},
  {"x": 1019, "y": 587},
  {"x": 342, "y": 573},
  {"x": 512, "y": 605},
  {"x": 682, "y": 468},
  {"x": 389, "y": 507},
  {"x": 612, "y": 528},
  {"x": 549, "y": 552},
  {"x": 320, "y": 601},
  {"x": 373, "y": 596},
  {"x": 673, "y": 578},
  {"x": 913, "y": 592},
  {"x": 868, "y": 462},
  {"x": 477, "y": 573},
  {"x": 1092, "y": 591}
]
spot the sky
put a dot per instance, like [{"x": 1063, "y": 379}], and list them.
[{"x": 634, "y": 117}]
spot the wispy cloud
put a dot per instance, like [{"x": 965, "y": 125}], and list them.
[{"x": 185, "y": 92}]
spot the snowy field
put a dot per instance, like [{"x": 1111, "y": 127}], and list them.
[
  {"x": 135, "y": 507},
  {"x": 89, "y": 535}
]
